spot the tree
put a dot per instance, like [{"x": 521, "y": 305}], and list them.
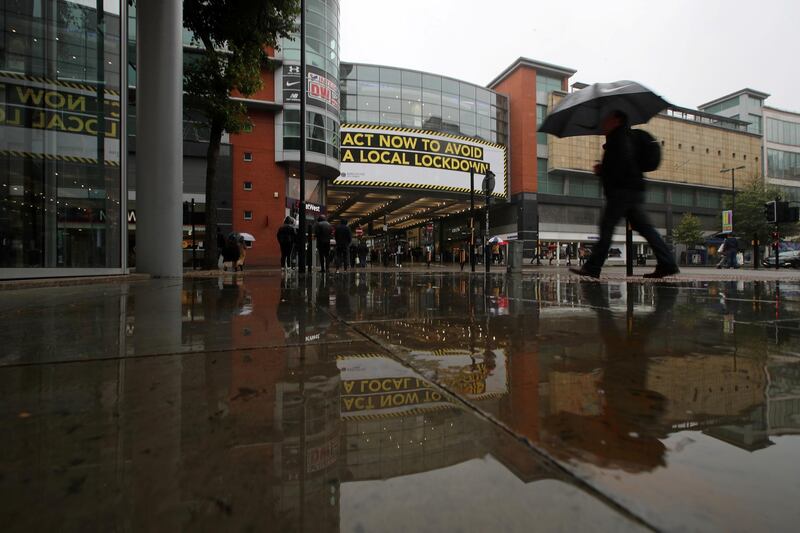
[
  {"x": 234, "y": 36},
  {"x": 748, "y": 217},
  {"x": 688, "y": 231}
]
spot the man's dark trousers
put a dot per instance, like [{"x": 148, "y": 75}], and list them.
[
  {"x": 342, "y": 256},
  {"x": 324, "y": 250},
  {"x": 627, "y": 203}
]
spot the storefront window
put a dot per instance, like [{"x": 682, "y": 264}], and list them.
[{"x": 60, "y": 138}]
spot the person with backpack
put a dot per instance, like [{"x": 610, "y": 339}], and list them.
[
  {"x": 627, "y": 154},
  {"x": 287, "y": 235}
]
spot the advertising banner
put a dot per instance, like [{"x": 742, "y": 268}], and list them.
[
  {"x": 727, "y": 221},
  {"x": 322, "y": 92},
  {"x": 384, "y": 156}
]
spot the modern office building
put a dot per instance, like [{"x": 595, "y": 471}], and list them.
[{"x": 780, "y": 135}]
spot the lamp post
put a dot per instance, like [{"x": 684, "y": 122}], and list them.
[
  {"x": 488, "y": 187},
  {"x": 733, "y": 190},
  {"x": 472, "y": 220},
  {"x": 301, "y": 260}
]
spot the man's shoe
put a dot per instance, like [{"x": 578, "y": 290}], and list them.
[
  {"x": 584, "y": 272},
  {"x": 662, "y": 272}
]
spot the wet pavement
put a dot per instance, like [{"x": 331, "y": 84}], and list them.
[{"x": 389, "y": 401}]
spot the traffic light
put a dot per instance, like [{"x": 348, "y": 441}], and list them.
[
  {"x": 771, "y": 211},
  {"x": 782, "y": 212}
]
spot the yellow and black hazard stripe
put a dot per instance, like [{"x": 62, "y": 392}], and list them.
[
  {"x": 410, "y": 412},
  {"x": 60, "y": 83},
  {"x": 406, "y": 185},
  {"x": 361, "y": 356},
  {"x": 451, "y": 351},
  {"x": 398, "y": 129},
  {"x": 55, "y": 157}
]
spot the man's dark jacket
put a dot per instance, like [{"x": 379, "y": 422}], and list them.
[
  {"x": 286, "y": 235},
  {"x": 343, "y": 235},
  {"x": 620, "y": 169},
  {"x": 322, "y": 232}
]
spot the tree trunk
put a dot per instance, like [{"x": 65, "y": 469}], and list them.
[{"x": 212, "y": 157}]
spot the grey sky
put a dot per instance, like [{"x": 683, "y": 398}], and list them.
[{"x": 689, "y": 51}]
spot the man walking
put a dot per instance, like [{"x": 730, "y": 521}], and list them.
[
  {"x": 343, "y": 238},
  {"x": 287, "y": 236},
  {"x": 322, "y": 232},
  {"x": 624, "y": 185}
]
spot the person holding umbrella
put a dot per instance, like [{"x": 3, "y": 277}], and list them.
[{"x": 610, "y": 109}]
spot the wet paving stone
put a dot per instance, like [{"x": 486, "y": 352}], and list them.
[{"x": 382, "y": 401}]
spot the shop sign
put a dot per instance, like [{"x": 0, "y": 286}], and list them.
[
  {"x": 321, "y": 91},
  {"x": 312, "y": 208},
  {"x": 727, "y": 221}
]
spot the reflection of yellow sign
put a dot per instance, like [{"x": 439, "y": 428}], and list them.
[
  {"x": 38, "y": 108},
  {"x": 383, "y": 393}
]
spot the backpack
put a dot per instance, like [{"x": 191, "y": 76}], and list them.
[{"x": 648, "y": 151}]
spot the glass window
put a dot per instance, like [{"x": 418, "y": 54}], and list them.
[
  {"x": 391, "y": 119},
  {"x": 412, "y": 107},
  {"x": 548, "y": 184},
  {"x": 783, "y": 132},
  {"x": 431, "y": 96},
  {"x": 390, "y": 75},
  {"x": 450, "y": 114},
  {"x": 431, "y": 110},
  {"x": 368, "y": 73},
  {"x": 411, "y": 93},
  {"x": 656, "y": 194},
  {"x": 60, "y": 194},
  {"x": 450, "y": 86},
  {"x": 467, "y": 90},
  {"x": 541, "y": 113},
  {"x": 413, "y": 79},
  {"x": 432, "y": 82},
  {"x": 368, "y": 103},
  {"x": 390, "y": 105},
  {"x": 450, "y": 100},
  {"x": 709, "y": 199},
  {"x": 368, "y": 88},
  {"x": 682, "y": 197},
  {"x": 369, "y": 117},
  {"x": 390, "y": 90},
  {"x": 468, "y": 118},
  {"x": 783, "y": 165},
  {"x": 248, "y": 185},
  {"x": 584, "y": 186}
]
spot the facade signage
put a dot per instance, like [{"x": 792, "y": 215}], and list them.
[
  {"x": 417, "y": 159},
  {"x": 312, "y": 208},
  {"x": 321, "y": 91},
  {"x": 727, "y": 221}
]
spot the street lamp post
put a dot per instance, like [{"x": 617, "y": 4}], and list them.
[
  {"x": 488, "y": 187},
  {"x": 472, "y": 219},
  {"x": 301, "y": 260},
  {"x": 733, "y": 190}
]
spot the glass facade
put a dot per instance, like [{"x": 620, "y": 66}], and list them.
[
  {"x": 395, "y": 97},
  {"x": 545, "y": 85},
  {"x": 783, "y": 132},
  {"x": 548, "y": 184},
  {"x": 60, "y": 142},
  {"x": 322, "y": 59},
  {"x": 541, "y": 113},
  {"x": 585, "y": 186},
  {"x": 722, "y": 106},
  {"x": 783, "y": 165}
]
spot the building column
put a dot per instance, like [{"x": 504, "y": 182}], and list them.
[{"x": 159, "y": 137}]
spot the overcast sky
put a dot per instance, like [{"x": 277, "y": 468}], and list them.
[{"x": 689, "y": 51}]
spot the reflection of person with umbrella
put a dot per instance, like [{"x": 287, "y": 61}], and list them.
[
  {"x": 626, "y": 431},
  {"x": 610, "y": 109}
]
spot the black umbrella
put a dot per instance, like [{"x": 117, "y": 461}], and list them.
[{"x": 581, "y": 112}]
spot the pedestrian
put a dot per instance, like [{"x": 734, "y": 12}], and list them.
[
  {"x": 363, "y": 252},
  {"x": 242, "y": 254},
  {"x": 731, "y": 251},
  {"x": 462, "y": 256},
  {"x": 495, "y": 253},
  {"x": 230, "y": 253},
  {"x": 624, "y": 186},
  {"x": 343, "y": 238},
  {"x": 220, "y": 247},
  {"x": 322, "y": 232},
  {"x": 287, "y": 236}
]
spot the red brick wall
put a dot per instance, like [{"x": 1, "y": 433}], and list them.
[
  {"x": 520, "y": 86},
  {"x": 267, "y": 178}
]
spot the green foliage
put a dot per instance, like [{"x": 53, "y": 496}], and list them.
[
  {"x": 748, "y": 217},
  {"x": 234, "y": 36},
  {"x": 688, "y": 231}
]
